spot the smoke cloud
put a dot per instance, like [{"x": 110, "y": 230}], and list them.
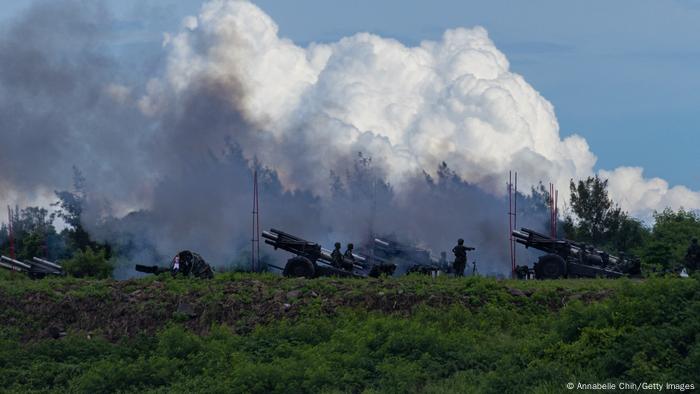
[{"x": 363, "y": 135}]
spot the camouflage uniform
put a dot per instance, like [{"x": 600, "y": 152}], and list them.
[
  {"x": 460, "y": 252},
  {"x": 348, "y": 258},
  {"x": 337, "y": 256},
  {"x": 187, "y": 263}
]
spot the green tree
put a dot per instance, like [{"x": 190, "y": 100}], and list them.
[
  {"x": 70, "y": 208},
  {"x": 598, "y": 220},
  {"x": 89, "y": 263},
  {"x": 33, "y": 233},
  {"x": 669, "y": 239}
]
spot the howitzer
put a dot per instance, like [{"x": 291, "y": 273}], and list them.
[
  {"x": 185, "y": 263},
  {"x": 571, "y": 259},
  {"x": 36, "y": 268},
  {"x": 312, "y": 260},
  {"x": 414, "y": 258}
]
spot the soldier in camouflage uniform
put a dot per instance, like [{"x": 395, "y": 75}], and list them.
[
  {"x": 349, "y": 258},
  {"x": 460, "y": 252},
  {"x": 188, "y": 263},
  {"x": 337, "y": 256}
]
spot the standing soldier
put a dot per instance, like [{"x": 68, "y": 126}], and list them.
[
  {"x": 349, "y": 258},
  {"x": 337, "y": 256},
  {"x": 460, "y": 252},
  {"x": 692, "y": 256}
]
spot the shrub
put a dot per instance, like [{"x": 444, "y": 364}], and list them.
[{"x": 89, "y": 263}]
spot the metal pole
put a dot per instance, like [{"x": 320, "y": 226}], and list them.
[
  {"x": 515, "y": 203},
  {"x": 510, "y": 222},
  {"x": 556, "y": 211},
  {"x": 551, "y": 209},
  {"x": 252, "y": 234},
  {"x": 10, "y": 232},
  {"x": 255, "y": 239},
  {"x": 257, "y": 223},
  {"x": 515, "y": 222}
]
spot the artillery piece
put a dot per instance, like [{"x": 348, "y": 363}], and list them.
[
  {"x": 416, "y": 260},
  {"x": 185, "y": 263},
  {"x": 312, "y": 260},
  {"x": 569, "y": 259},
  {"x": 36, "y": 268}
]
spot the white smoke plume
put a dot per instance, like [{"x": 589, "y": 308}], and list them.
[{"x": 454, "y": 100}]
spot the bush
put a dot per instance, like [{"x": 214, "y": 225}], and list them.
[
  {"x": 640, "y": 331},
  {"x": 89, "y": 263}
]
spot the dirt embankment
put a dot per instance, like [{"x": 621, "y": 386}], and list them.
[{"x": 117, "y": 310}]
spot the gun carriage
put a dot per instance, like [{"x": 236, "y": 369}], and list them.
[
  {"x": 569, "y": 259},
  {"x": 311, "y": 260}
]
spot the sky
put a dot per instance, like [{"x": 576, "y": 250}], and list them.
[{"x": 621, "y": 74}]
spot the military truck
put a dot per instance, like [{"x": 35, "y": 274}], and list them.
[{"x": 569, "y": 259}]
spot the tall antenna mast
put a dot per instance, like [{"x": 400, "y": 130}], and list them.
[
  {"x": 10, "y": 232},
  {"x": 255, "y": 247},
  {"x": 553, "y": 210},
  {"x": 556, "y": 211},
  {"x": 512, "y": 217}
]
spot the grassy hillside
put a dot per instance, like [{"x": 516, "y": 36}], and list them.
[{"x": 261, "y": 333}]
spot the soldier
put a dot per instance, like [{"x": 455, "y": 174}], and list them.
[
  {"x": 460, "y": 252},
  {"x": 187, "y": 263},
  {"x": 692, "y": 256},
  {"x": 349, "y": 258},
  {"x": 337, "y": 256},
  {"x": 175, "y": 265}
]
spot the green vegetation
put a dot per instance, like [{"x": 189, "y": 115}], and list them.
[
  {"x": 88, "y": 263},
  {"x": 593, "y": 218},
  {"x": 666, "y": 244},
  {"x": 596, "y": 219},
  {"x": 265, "y": 334}
]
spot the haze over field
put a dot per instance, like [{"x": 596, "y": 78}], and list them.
[{"x": 232, "y": 92}]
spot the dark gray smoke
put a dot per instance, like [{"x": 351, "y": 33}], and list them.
[{"x": 180, "y": 179}]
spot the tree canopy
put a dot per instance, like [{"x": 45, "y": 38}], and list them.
[{"x": 598, "y": 220}]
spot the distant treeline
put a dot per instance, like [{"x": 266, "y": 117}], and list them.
[{"x": 592, "y": 217}]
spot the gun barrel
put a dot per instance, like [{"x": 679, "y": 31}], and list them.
[
  {"x": 150, "y": 269},
  {"x": 269, "y": 235},
  {"x": 381, "y": 242},
  {"x": 11, "y": 267},
  {"x": 16, "y": 263},
  {"x": 282, "y": 234},
  {"x": 47, "y": 264},
  {"x": 520, "y": 235}
]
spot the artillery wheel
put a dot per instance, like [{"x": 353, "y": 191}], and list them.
[
  {"x": 298, "y": 267},
  {"x": 550, "y": 266}
]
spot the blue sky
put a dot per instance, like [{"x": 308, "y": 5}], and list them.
[{"x": 622, "y": 74}]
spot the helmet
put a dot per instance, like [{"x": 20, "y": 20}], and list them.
[
  {"x": 460, "y": 241},
  {"x": 350, "y": 246},
  {"x": 337, "y": 245}
]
